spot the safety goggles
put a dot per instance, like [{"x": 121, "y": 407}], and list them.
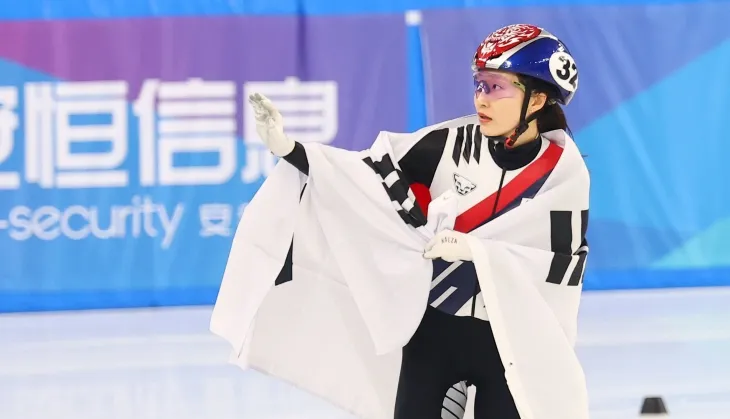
[{"x": 496, "y": 86}]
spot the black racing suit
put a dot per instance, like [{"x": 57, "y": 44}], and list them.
[{"x": 448, "y": 349}]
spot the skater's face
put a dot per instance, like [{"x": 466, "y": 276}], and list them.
[{"x": 498, "y": 100}]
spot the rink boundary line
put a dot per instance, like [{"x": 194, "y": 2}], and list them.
[
  {"x": 194, "y": 350},
  {"x": 673, "y": 390},
  {"x": 75, "y": 356},
  {"x": 654, "y": 293},
  {"x": 678, "y": 337},
  {"x": 598, "y": 295},
  {"x": 192, "y": 338},
  {"x": 635, "y": 337}
]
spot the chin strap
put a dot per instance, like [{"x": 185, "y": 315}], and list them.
[{"x": 510, "y": 140}]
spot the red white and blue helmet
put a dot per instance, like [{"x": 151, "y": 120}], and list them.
[{"x": 531, "y": 51}]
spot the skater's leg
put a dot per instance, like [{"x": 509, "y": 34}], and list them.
[
  {"x": 493, "y": 398},
  {"x": 427, "y": 370},
  {"x": 421, "y": 388},
  {"x": 495, "y": 401}
]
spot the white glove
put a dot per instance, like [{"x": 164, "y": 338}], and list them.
[
  {"x": 448, "y": 245},
  {"x": 270, "y": 125}
]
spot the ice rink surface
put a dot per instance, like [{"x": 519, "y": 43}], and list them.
[{"x": 164, "y": 364}]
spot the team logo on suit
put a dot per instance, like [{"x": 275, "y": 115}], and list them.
[{"x": 463, "y": 185}]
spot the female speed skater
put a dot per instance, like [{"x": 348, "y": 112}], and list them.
[{"x": 522, "y": 76}]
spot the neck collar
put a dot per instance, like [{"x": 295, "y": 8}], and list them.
[{"x": 516, "y": 157}]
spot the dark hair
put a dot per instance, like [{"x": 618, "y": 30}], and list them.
[{"x": 551, "y": 116}]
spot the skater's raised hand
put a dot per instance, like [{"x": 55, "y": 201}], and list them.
[{"x": 270, "y": 125}]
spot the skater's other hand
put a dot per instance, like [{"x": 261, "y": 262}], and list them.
[
  {"x": 270, "y": 125},
  {"x": 448, "y": 245}
]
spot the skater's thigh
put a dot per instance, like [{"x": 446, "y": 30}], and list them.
[
  {"x": 493, "y": 398},
  {"x": 421, "y": 391},
  {"x": 428, "y": 369},
  {"x": 495, "y": 401}
]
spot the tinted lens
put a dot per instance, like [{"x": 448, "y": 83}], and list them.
[{"x": 494, "y": 86}]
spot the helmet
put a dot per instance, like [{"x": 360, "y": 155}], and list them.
[{"x": 531, "y": 51}]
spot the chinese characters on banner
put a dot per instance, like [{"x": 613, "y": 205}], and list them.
[
  {"x": 8, "y": 125},
  {"x": 310, "y": 115},
  {"x": 92, "y": 135}
]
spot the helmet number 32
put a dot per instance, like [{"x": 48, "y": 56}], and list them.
[{"x": 564, "y": 71}]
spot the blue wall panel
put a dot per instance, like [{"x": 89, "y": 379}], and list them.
[{"x": 663, "y": 222}]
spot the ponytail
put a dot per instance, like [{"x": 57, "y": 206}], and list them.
[{"x": 552, "y": 118}]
